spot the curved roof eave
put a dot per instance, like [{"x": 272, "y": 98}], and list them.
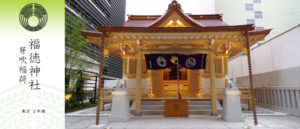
[{"x": 247, "y": 27}]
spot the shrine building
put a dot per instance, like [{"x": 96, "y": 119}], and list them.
[{"x": 175, "y": 32}]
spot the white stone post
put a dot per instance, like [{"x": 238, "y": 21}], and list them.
[
  {"x": 232, "y": 110},
  {"x": 120, "y": 106}
]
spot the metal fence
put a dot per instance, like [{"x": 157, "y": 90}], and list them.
[{"x": 90, "y": 85}]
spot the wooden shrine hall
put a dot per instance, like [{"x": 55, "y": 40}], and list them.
[{"x": 174, "y": 32}]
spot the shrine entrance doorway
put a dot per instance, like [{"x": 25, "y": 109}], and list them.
[{"x": 170, "y": 83}]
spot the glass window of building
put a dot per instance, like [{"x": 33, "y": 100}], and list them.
[
  {"x": 249, "y": 7},
  {"x": 256, "y": 1},
  {"x": 250, "y": 21},
  {"x": 258, "y": 14},
  {"x": 259, "y": 28}
]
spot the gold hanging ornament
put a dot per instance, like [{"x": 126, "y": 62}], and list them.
[
  {"x": 244, "y": 52},
  {"x": 174, "y": 60},
  {"x": 106, "y": 53}
]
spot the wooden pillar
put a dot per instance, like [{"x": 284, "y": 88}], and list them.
[
  {"x": 125, "y": 71},
  {"x": 213, "y": 84},
  {"x": 156, "y": 82},
  {"x": 222, "y": 65},
  {"x": 250, "y": 77},
  {"x": 138, "y": 94},
  {"x": 100, "y": 102},
  {"x": 194, "y": 82},
  {"x": 151, "y": 84},
  {"x": 124, "y": 66},
  {"x": 223, "y": 69},
  {"x": 225, "y": 61},
  {"x": 200, "y": 82},
  {"x": 128, "y": 66},
  {"x": 226, "y": 64}
]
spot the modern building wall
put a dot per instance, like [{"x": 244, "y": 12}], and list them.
[
  {"x": 280, "y": 15},
  {"x": 96, "y": 13},
  {"x": 276, "y": 71},
  {"x": 100, "y": 12}
]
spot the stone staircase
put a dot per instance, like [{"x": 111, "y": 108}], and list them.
[{"x": 156, "y": 107}]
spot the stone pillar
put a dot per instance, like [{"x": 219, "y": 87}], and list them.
[
  {"x": 138, "y": 93},
  {"x": 213, "y": 84},
  {"x": 120, "y": 106},
  {"x": 232, "y": 111}
]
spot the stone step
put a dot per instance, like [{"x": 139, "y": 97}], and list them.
[
  {"x": 153, "y": 112},
  {"x": 199, "y": 102},
  {"x": 195, "y": 107},
  {"x": 191, "y": 107},
  {"x": 156, "y": 107},
  {"x": 197, "y": 112},
  {"x": 153, "y": 103},
  {"x": 161, "y": 112},
  {"x": 160, "y": 102}
]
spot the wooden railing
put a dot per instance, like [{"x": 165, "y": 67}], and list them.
[
  {"x": 246, "y": 96},
  {"x": 106, "y": 93}
]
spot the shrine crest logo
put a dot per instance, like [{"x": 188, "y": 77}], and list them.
[{"x": 33, "y": 17}]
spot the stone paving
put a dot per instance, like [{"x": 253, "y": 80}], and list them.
[{"x": 268, "y": 119}]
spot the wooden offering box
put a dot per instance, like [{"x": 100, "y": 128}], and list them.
[{"x": 176, "y": 108}]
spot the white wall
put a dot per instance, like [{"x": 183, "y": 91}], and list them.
[
  {"x": 286, "y": 50},
  {"x": 131, "y": 83},
  {"x": 282, "y": 52},
  {"x": 110, "y": 83},
  {"x": 220, "y": 84}
]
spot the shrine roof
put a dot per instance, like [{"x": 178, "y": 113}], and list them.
[
  {"x": 175, "y": 25},
  {"x": 86, "y": 33},
  {"x": 174, "y": 20},
  {"x": 205, "y": 20},
  {"x": 175, "y": 13},
  {"x": 257, "y": 32},
  {"x": 247, "y": 27}
]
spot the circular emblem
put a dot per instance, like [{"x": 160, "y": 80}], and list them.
[
  {"x": 190, "y": 62},
  {"x": 161, "y": 61},
  {"x": 33, "y": 17},
  {"x": 175, "y": 107}
]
